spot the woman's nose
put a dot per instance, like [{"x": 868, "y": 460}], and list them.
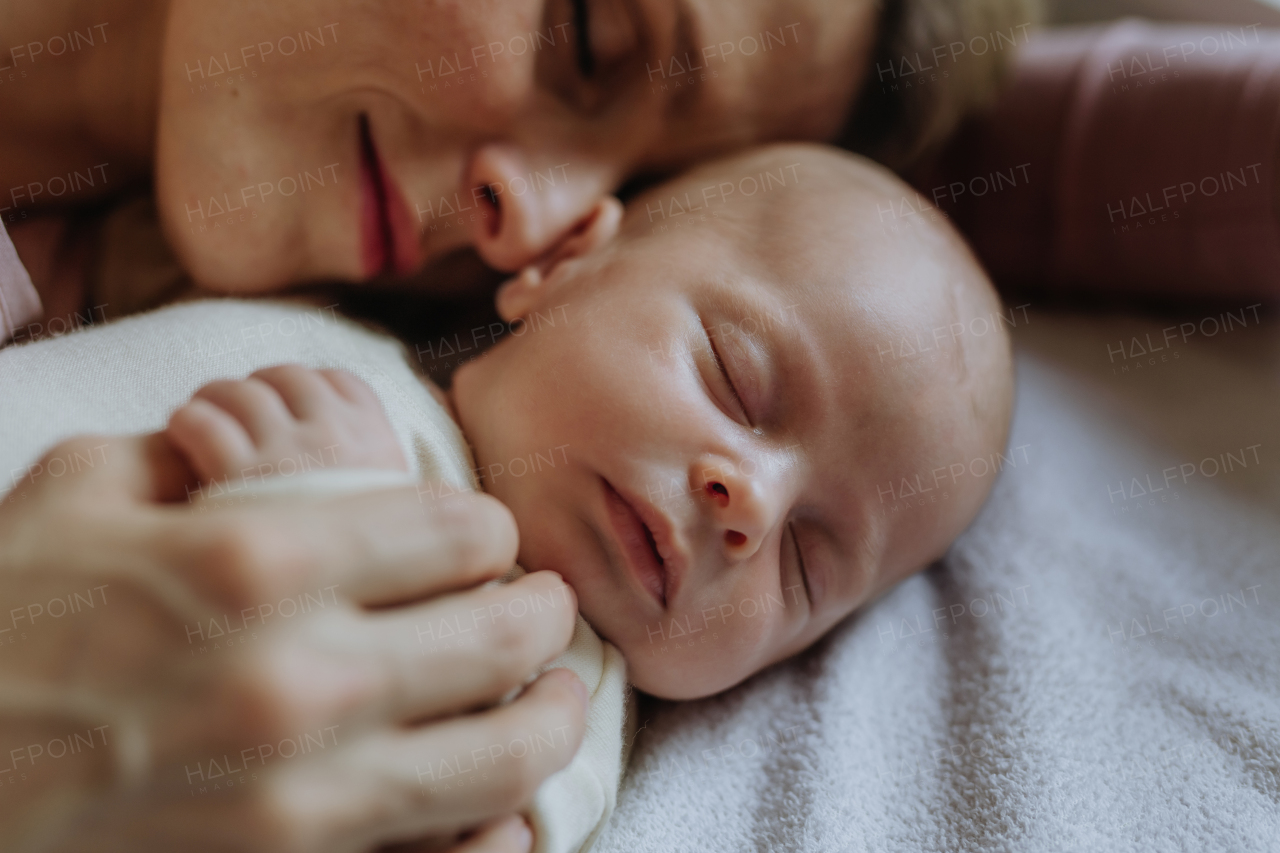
[
  {"x": 528, "y": 206},
  {"x": 743, "y": 507}
]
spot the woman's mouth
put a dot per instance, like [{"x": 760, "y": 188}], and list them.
[
  {"x": 388, "y": 239},
  {"x": 635, "y": 540}
]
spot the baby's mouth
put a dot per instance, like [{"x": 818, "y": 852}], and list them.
[{"x": 637, "y": 544}]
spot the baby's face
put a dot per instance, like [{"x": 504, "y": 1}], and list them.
[{"x": 692, "y": 426}]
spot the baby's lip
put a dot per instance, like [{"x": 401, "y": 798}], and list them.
[
  {"x": 655, "y": 523},
  {"x": 634, "y": 541},
  {"x": 674, "y": 560}
]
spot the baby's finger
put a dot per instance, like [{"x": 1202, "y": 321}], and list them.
[
  {"x": 350, "y": 387},
  {"x": 304, "y": 391},
  {"x": 252, "y": 402},
  {"x": 214, "y": 443}
]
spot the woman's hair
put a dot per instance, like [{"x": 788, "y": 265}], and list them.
[{"x": 935, "y": 61}]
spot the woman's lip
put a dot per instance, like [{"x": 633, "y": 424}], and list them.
[
  {"x": 633, "y": 540},
  {"x": 407, "y": 252},
  {"x": 389, "y": 240},
  {"x": 373, "y": 248}
]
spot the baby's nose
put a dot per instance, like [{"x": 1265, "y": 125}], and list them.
[{"x": 741, "y": 507}]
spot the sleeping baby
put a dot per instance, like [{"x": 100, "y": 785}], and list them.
[{"x": 721, "y": 417}]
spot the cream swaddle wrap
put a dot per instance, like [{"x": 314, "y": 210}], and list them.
[{"x": 128, "y": 376}]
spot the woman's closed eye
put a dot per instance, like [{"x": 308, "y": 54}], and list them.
[
  {"x": 588, "y": 50},
  {"x": 582, "y": 38}
]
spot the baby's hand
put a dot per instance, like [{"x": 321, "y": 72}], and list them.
[{"x": 284, "y": 420}]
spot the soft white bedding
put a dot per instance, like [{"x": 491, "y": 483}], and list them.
[{"x": 1091, "y": 668}]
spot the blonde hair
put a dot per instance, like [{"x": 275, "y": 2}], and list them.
[{"x": 935, "y": 62}]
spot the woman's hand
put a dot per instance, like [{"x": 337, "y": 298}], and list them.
[{"x": 259, "y": 679}]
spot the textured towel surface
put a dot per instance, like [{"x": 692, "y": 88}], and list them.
[{"x": 1095, "y": 666}]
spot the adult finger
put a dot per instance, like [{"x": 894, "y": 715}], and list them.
[
  {"x": 111, "y": 470},
  {"x": 345, "y": 666},
  {"x": 439, "y": 779},
  {"x": 508, "y": 835},
  {"x": 377, "y": 548},
  {"x": 505, "y": 835},
  {"x": 464, "y": 651}
]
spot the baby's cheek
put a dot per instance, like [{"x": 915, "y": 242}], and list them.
[{"x": 679, "y": 658}]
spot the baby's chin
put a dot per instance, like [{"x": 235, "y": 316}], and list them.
[
  {"x": 678, "y": 674},
  {"x": 653, "y": 666}
]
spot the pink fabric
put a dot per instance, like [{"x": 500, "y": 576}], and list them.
[
  {"x": 19, "y": 302},
  {"x": 1150, "y": 157}
]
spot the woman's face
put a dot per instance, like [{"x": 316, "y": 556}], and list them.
[{"x": 347, "y": 139}]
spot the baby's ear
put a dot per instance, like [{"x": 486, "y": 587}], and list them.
[{"x": 518, "y": 294}]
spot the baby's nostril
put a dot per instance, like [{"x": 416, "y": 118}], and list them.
[
  {"x": 718, "y": 488},
  {"x": 734, "y": 538},
  {"x": 490, "y": 194}
]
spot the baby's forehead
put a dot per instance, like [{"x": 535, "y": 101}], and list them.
[{"x": 807, "y": 225}]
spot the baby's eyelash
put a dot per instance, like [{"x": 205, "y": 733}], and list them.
[
  {"x": 804, "y": 573},
  {"x": 724, "y": 371}
]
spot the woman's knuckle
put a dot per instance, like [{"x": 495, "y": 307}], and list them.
[
  {"x": 244, "y": 563},
  {"x": 271, "y": 702},
  {"x": 238, "y": 560},
  {"x": 263, "y": 707}
]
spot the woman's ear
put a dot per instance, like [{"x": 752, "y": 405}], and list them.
[{"x": 518, "y": 294}]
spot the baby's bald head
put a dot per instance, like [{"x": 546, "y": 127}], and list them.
[{"x": 749, "y": 379}]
